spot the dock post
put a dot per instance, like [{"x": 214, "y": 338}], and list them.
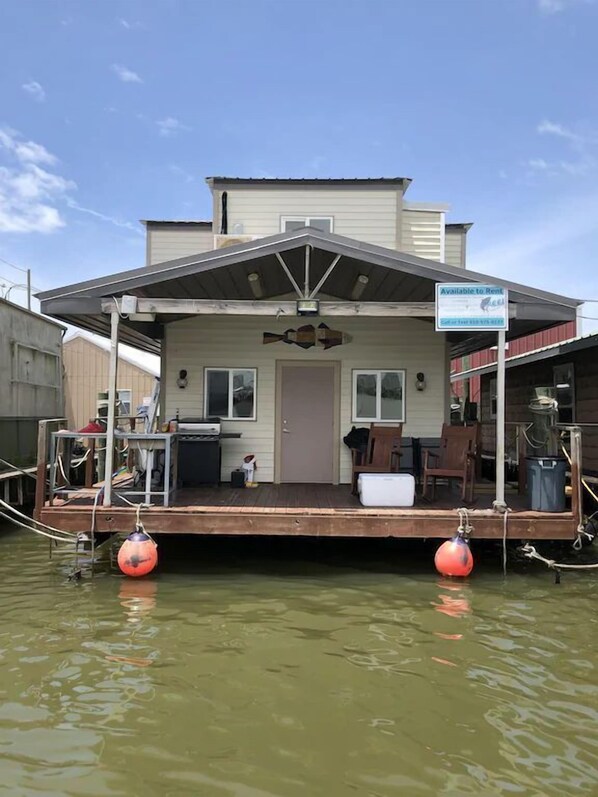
[
  {"x": 112, "y": 375},
  {"x": 576, "y": 475},
  {"x": 499, "y": 501}
]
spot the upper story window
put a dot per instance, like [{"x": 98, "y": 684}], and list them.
[{"x": 290, "y": 223}]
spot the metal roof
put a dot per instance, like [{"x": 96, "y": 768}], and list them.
[
  {"x": 562, "y": 348},
  {"x": 201, "y": 222},
  {"x": 398, "y": 181},
  {"x": 460, "y": 225},
  {"x": 221, "y": 274}
]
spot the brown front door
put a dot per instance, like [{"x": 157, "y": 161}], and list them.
[{"x": 307, "y": 421}]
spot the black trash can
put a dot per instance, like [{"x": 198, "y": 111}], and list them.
[{"x": 546, "y": 478}]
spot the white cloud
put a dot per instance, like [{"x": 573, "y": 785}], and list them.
[
  {"x": 582, "y": 152},
  {"x": 551, "y": 6},
  {"x": 546, "y": 127},
  {"x": 125, "y": 23},
  {"x": 35, "y": 89},
  {"x": 556, "y": 6},
  {"x": 181, "y": 172},
  {"x": 170, "y": 126},
  {"x": 126, "y": 225},
  {"x": 125, "y": 74},
  {"x": 25, "y": 151},
  {"x": 30, "y": 195},
  {"x": 535, "y": 246},
  {"x": 538, "y": 164}
]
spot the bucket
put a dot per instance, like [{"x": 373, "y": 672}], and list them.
[{"x": 546, "y": 478}]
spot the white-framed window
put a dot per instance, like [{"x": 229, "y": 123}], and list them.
[
  {"x": 378, "y": 395},
  {"x": 230, "y": 393},
  {"x": 124, "y": 400},
  {"x": 493, "y": 395},
  {"x": 291, "y": 223},
  {"x": 564, "y": 387}
]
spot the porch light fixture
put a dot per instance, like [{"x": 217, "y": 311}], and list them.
[
  {"x": 308, "y": 307},
  {"x": 359, "y": 287},
  {"x": 420, "y": 381},
  {"x": 255, "y": 284}
]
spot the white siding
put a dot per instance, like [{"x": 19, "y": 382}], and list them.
[
  {"x": 237, "y": 342},
  {"x": 365, "y": 214},
  {"x": 170, "y": 241},
  {"x": 454, "y": 247},
  {"x": 423, "y": 233}
]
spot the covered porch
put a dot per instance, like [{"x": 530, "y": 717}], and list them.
[{"x": 216, "y": 312}]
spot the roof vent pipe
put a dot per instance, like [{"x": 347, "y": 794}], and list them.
[{"x": 224, "y": 213}]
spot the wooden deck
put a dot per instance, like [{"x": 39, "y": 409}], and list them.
[{"x": 311, "y": 510}]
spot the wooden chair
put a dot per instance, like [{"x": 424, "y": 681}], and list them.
[
  {"x": 382, "y": 454},
  {"x": 456, "y": 459}
]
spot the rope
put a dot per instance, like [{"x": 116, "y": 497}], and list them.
[
  {"x": 531, "y": 553},
  {"x": 68, "y": 534},
  {"x": 16, "y": 467},
  {"x": 583, "y": 481},
  {"x": 504, "y": 540},
  {"x": 71, "y": 539},
  {"x": 465, "y": 528}
]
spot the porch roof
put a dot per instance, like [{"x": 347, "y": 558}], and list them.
[{"x": 222, "y": 275}]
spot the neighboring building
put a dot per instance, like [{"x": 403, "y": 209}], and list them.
[
  {"x": 31, "y": 384},
  {"x": 568, "y": 370},
  {"x": 469, "y": 390},
  {"x": 86, "y": 363}
]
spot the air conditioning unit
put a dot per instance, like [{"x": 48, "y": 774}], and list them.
[{"x": 222, "y": 241}]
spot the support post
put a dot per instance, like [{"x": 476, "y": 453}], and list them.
[
  {"x": 499, "y": 501},
  {"x": 112, "y": 375},
  {"x": 42, "y": 468},
  {"x": 29, "y": 289},
  {"x": 306, "y": 280},
  {"x": 576, "y": 475}
]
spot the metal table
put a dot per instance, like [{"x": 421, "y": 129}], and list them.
[{"x": 150, "y": 442}]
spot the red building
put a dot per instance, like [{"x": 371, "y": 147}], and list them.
[{"x": 471, "y": 388}]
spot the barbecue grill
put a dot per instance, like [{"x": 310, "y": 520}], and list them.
[{"x": 200, "y": 455}]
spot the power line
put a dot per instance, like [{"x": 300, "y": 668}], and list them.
[{"x": 13, "y": 265}]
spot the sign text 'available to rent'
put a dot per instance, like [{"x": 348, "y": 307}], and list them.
[{"x": 462, "y": 306}]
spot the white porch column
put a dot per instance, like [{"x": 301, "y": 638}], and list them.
[
  {"x": 499, "y": 502},
  {"x": 112, "y": 376}
]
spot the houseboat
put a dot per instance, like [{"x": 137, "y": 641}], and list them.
[{"x": 306, "y": 308}]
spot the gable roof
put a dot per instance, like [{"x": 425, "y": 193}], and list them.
[
  {"x": 142, "y": 360},
  {"x": 222, "y": 274}
]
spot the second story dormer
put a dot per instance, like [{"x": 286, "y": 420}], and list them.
[{"x": 373, "y": 210}]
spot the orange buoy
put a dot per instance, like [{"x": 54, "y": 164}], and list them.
[
  {"x": 138, "y": 555},
  {"x": 454, "y": 558}
]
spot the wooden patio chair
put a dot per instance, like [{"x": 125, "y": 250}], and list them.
[
  {"x": 382, "y": 454},
  {"x": 456, "y": 459}
]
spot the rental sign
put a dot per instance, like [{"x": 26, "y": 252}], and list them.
[{"x": 467, "y": 307}]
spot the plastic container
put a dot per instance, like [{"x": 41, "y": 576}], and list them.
[
  {"x": 546, "y": 478},
  {"x": 386, "y": 489}
]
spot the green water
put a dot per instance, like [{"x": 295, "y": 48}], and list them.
[{"x": 276, "y": 669}]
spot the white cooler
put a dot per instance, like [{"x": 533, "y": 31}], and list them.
[{"x": 386, "y": 489}]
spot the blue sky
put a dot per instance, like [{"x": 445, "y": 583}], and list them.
[{"x": 115, "y": 111}]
